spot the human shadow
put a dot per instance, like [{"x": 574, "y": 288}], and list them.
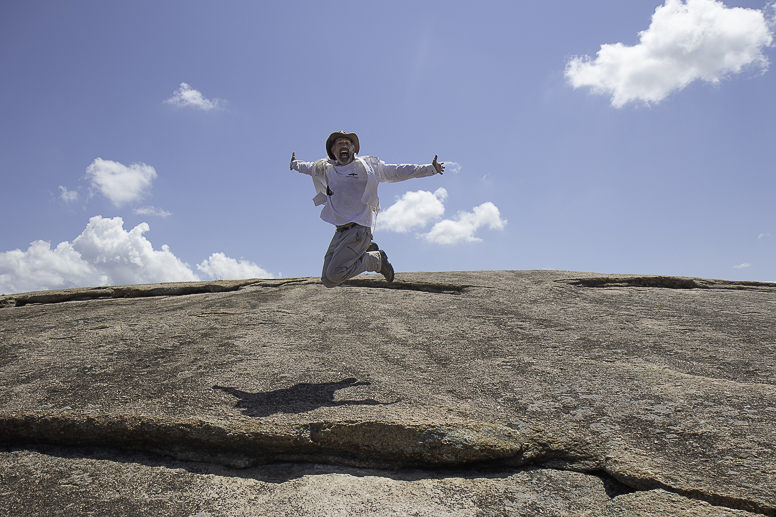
[{"x": 299, "y": 398}]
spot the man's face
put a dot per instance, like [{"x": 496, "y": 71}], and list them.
[{"x": 343, "y": 150}]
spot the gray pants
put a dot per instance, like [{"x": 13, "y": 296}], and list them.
[{"x": 347, "y": 256}]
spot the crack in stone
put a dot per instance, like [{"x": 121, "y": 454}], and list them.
[
  {"x": 278, "y": 474},
  {"x": 642, "y": 483},
  {"x": 669, "y": 282},
  {"x": 96, "y": 293},
  {"x": 189, "y": 288},
  {"x": 364, "y": 444},
  {"x": 140, "y": 291},
  {"x": 426, "y": 287}
]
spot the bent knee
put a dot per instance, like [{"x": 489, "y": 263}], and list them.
[
  {"x": 334, "y": 276},
  {"x": 329, "y": 283}
]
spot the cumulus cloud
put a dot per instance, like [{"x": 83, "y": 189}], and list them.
[
  {"x": 68, "y": 196},
  {"x": 465, "y": 224},
  {"x": 221, "y": 267},
  {"x": 188, "y": 96},
  {"x": 685, "y": 42},
  {"x": 413, "y": 210},
  {"x": 41, "y": 267},
  {"x": 107, "y": 254},
  {"x": 152, "y": 210},
  {"x": 118, "y": 182},
  {"x": 742, "y": 266}
]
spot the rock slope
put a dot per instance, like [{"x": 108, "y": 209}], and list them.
[{"x": 470, "y": 393}]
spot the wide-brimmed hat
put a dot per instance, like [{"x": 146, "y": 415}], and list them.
[{"x": 341, "y": 134}]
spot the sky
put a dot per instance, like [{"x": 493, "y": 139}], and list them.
[{"x": 147, "y": 141}]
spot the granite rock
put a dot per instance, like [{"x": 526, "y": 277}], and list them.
[{"x": 662, "y": 386}]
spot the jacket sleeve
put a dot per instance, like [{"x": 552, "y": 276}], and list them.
[
  {"x": 317, "y": 170},
  {"x": 303, "y": 167},
  {"x": 389, "y": 173}
]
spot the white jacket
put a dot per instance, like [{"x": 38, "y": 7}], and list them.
[{"x": 377, "y": 171}]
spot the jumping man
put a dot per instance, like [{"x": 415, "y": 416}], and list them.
[{"x": 346, "y": 185}]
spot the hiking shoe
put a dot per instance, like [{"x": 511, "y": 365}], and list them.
[
  {"x": 386, "y": 269},
  {"x": 373, "y": 247}
]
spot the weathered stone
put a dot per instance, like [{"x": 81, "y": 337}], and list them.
[
  {"x": 53, "y": 483},
  {"x": 659, "y": 503},
  {"x": 242, "y": 444},
  {"x": 658, "y": 382},
  {"x": 126, "y": 291}
]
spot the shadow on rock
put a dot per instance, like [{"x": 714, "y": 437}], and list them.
[{"x": 299, "y": 398}]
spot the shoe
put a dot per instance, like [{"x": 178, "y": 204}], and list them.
[
  {"x": 386, "y": 269},
  {"x": 373, "y": 247}
]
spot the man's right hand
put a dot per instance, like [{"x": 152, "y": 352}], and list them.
[{"x": 293, "y": 157}]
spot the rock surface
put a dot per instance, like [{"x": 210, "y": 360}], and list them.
[{"x": 477, "y": 393}]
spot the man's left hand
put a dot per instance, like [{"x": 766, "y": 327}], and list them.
[{"x": 438, "y": 166}]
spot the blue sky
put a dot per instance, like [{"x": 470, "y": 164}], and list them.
[{"x": 150, "y": 141}]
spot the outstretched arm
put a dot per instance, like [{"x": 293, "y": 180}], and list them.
[
  {"x": 389, "y": 173},
  {"x": 301, "y": 166},
  {"x": 438, "y": 166}
]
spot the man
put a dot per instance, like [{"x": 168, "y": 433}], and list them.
[{"x": 346, "y": 185}]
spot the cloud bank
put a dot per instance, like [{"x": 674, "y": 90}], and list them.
[
  {"x": 186, "y": 96},
  {"x": 415, "y": 210},
  {"x": 685, "y": 42},
  {"x": 106, "y": 254},
  {"x": 120, "y": 183}
]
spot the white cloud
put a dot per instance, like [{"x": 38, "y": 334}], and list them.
[
  {"x": 413, "y": 210},
  {"x": 127, "y": 257},
  {"x": 221, "y": 267},
  {"x": 465, "y": 224},
  {"x": 742, "y": 266},
  {"x": 152, "y": 210},
  {"x": 118, "y": 182},
  {"x": 106, "y": 254},
  {"x": 763, "y": 235},
  {"x": 68, "y": 196},
  {"x": 41, "y": 267},
  {"x": 187, "y": 96},
  {"x": 453, "y": 167},
  {"x": 686, "y": 41}
]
